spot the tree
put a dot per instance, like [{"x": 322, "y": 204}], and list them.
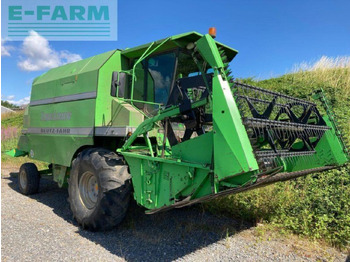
[{"x": 8, "y": 104}]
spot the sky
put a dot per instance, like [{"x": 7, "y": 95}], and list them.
[{"x": 271, "y": 36}]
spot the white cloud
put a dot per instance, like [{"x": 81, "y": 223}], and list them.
[
  {"x": 19, "y": 102},
  {"x": 39, "y": 55},
  {"x": 69, "y": 57},
  {"x": 10, "y": 97},
  {"x": 5, "y": 49},
  {"x": 159, "y": 80}
]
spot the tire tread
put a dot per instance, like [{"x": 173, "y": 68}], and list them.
[
  {"x": 115, "y": 184},
  {"x": 33, "y": 179}
]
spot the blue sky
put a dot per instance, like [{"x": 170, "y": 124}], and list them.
[{"x": 271, "y": 36}]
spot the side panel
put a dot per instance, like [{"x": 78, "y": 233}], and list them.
[
  {"x": 61, "y": 114},
  {"x": 329, "y": 152},
  {"x": 110, "y": 111},
  {"x": 197, "y": 150},
  {"x": 56, "y": 149},
  {"x": 73, "y": 78},
  {"x": 158, "y": 182},
  {"x": 57, "y": 130},
  {"x": 233, "y": 153}
]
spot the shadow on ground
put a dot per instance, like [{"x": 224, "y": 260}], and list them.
[{"x": 140, "y": 237}]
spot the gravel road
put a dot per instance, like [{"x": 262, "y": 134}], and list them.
[{"x": 40, "y": 228}]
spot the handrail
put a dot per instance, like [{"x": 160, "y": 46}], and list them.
[{"x": 147, "y": 125}]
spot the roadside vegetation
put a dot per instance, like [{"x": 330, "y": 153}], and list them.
[
  {"x": 11, "y": 126},
  {"x": 316, "y": 206}
]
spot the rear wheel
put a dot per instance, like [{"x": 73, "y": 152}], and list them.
[
  {"x": 99, "y": 189},
  {"x": 28, "y": 179}
]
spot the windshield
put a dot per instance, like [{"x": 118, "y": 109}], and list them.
[
  {"x": 156, "y": 78},
  {"x": 161, "y": 72}
]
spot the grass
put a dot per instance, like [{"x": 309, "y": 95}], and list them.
[
  {"x": 316, "y": 206},
  {"x": 11, "y": 125},
  {"x": 332, "y": 72},
  {"x": 12, "y": 119}
]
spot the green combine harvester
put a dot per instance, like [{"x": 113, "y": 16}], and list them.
[{"x": 166, "y": 123}]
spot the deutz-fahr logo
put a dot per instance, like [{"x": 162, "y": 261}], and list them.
[{"x": 55, "y": 130}]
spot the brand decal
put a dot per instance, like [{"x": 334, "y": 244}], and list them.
[
  {"x": 55, "y": 116},
  {"x": 55, "y": 130}
]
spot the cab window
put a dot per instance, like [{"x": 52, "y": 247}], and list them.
[{"x": 160, "y": 75}]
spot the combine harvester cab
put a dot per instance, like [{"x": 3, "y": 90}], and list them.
[{"x": 166, "y": 121}]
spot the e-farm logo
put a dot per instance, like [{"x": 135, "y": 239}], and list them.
[{"x": 74, "y": 20}]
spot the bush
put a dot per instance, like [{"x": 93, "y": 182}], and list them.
[{"x": 317, "y": 206}]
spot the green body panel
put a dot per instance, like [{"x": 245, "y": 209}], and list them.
[
  {"x": 233, "y": 153},
  {"x": 159, "y": 182},
  {"x": 333, "y": 149},
  {"x": 125, "y": 114},
  {"x": 329, "y": 151},
  {"x": 56, "y": 141},
  {"x": 104, "y": 99},
  {"x": 73, "y": 78},
  {"x": 197, "y": 150},
  {"x": 77, "y": 114},
  {"x": 54, "y": 131},
  {"x": 55, "y": 148},
  {"x": 208, "y": 49},
  {"x": 111, "y": 111},
  {"x": 230, "y": 138},
  {"x": 72, "y": 108}
]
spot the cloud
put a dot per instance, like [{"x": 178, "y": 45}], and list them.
[
  {"x": 39, "y": 55},
  {"x": 159, "y": 80},
  {"x": 10, "y": 97},
  {"x": 19, "y": 102},
  {"x": 5, "y": 49},
  {"x": 69, "y": 57}
]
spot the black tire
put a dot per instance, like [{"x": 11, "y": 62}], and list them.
[
  {"x": 106, "y": 208},
  {"x": 28, "y": 179}
]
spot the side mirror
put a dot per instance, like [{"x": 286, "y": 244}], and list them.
[{"x": 118, "y": 86}]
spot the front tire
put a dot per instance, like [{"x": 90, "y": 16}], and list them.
[
  {"x": 99, "y": 189},
  {"x": 28, "y": 179}
]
